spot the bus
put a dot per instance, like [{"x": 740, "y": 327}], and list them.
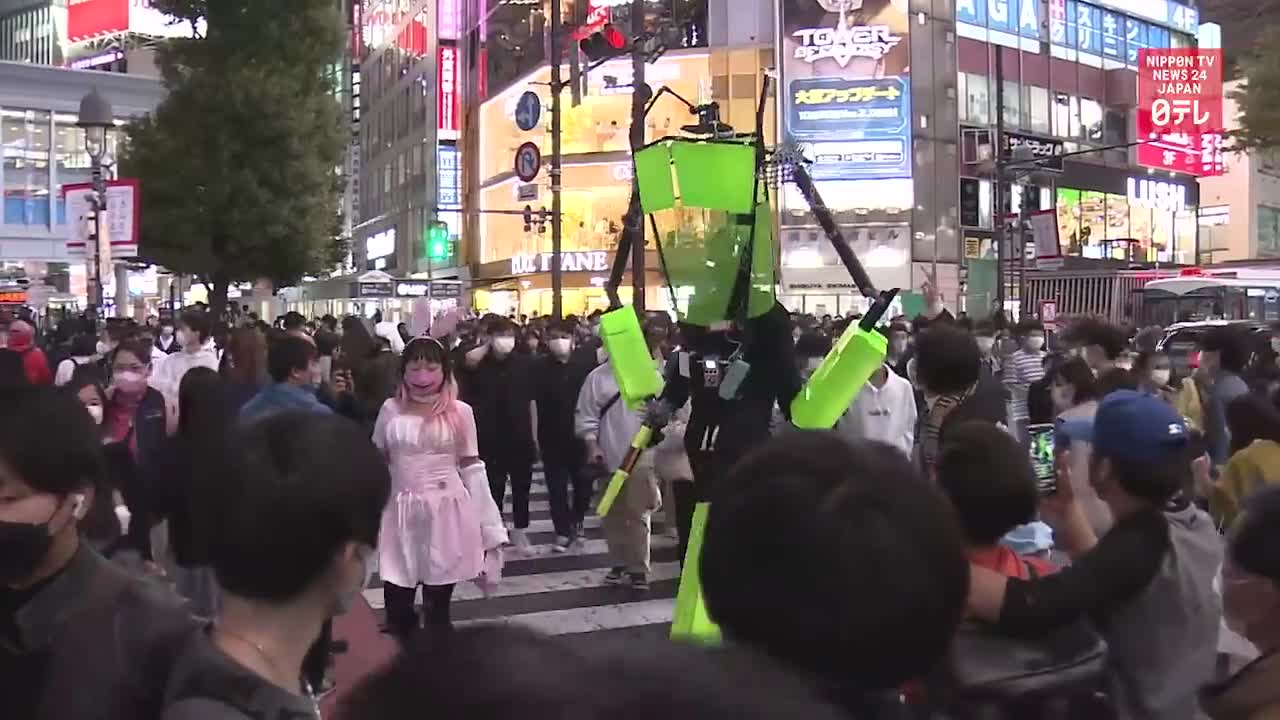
[{"x": 1198, "y": 295}]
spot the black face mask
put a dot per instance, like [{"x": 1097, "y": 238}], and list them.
[{"x": 23, "y": 546}]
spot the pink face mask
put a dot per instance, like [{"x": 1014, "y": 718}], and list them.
[{"x": 423, "y": 383}]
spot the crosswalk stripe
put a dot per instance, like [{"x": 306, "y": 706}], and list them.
[
  {"x": 586, "y": 620},
  {"x": 541, "y": 583}
]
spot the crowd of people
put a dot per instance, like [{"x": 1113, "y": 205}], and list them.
[{"x": 185, "y": 505}]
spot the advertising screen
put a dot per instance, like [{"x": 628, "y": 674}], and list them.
[
  {"x": 92, "y": 19},
  {"x": 846, "y": 91}
]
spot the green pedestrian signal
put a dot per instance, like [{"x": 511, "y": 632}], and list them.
[{"x": 437, "y": 241}]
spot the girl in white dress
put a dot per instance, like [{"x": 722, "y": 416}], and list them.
[{"x": 441, "y": 526}]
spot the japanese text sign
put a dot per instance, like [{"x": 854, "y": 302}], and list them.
[{"x": 1179, "y": 91}]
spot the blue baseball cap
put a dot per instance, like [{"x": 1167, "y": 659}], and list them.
[{"x": 1138, "y": 428}]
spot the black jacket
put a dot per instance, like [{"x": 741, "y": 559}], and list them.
[{"x": 93, "y": 643}]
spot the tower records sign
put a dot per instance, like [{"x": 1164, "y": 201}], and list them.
[{"x": 845, "y": 71}]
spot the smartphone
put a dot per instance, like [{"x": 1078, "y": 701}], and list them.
[{"x": 1042, "y": 457}]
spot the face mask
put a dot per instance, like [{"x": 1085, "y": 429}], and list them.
[
  {"x": 1035, "y": 342},
  {"x": 130, "y": 382},
  {"x": 1160, "y": 378},
  {"x": 166, "y": 332},
  {"x": 95, "y": 412},
  {"x": 102, "y": 348},
  {"x": 23, "y": 546},
  {"x": 560, "y": 346},
  {"x": 985, "y": 344},
  {"x": 347, "y": 599},
  {"x": 422, "y": 385},
  {"x": 504, "y": 345}
]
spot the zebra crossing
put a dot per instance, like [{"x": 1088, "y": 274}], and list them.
[{"x": 564, "y": 594}]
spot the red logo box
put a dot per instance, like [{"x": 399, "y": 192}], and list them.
[{"x": 1179, "y": 92}]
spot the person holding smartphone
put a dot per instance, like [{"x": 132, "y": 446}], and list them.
[{"x": 1147, "y": 584}]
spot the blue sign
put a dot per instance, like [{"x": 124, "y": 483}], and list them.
[
  {"x": 854, "y": 127},
  {"x": 1015, "y": 17},
  {"x": 448, "y": 183},
  {"x": 1135, "y": 38},
  {"x": 528, "y": 111},
  {"x": 1113, "y": 35},
  {"x": 1088, "y": 29}
]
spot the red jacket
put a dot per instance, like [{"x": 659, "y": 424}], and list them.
[{"x": 22, "y": 339}]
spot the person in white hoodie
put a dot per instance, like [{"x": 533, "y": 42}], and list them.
[
  {"x": 884, "y": 411},
  {"x": 607, "y": 426},
  {"x": 195, "y": 335}
]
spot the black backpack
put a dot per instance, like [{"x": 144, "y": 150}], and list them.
[{"x": 991, "y": 676}]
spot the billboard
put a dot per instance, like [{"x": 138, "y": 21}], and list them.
[
  {"x": 93, "y": 19},
  {"x": 845, "y": 74},
  {"x": 121, "y": 218}
]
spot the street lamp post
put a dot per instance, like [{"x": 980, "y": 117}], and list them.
[{"x": 95, "y": 118}]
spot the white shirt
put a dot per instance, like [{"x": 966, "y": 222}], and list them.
[
  {"x": 615, "y": 428},
  {"x": 166, "y": 375},
  {"x": 885, "y": 414}
]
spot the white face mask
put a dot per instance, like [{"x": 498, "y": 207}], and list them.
[
  {"x": 504, "y": 345},
  {"x": 985, "y": 344},
  {"x": 95, "y": 412},
  {"x": 1160, "y": 378},
  {"x": 102, "y": 348},
  {"x": 1035, "y": 342},
  {"x": 560, "y": 347}
]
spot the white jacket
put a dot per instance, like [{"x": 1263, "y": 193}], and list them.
[
  {"x": 167, "y": 374},
  {"x": 886, "y": 414},
  {"x": 617, "y": 427}
]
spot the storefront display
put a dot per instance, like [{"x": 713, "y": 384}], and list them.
[{"x": 1140, "y": 219}]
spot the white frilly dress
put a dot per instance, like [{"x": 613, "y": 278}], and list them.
[{"x": 440, "y": 519}]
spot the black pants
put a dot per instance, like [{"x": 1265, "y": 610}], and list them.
[
  {"x": 316, "y": 661},
  {"x": 686, "y": 497},
  {"x": 567, "y": 513},
  {"x": 402, "y": 618},
  {"x": 521, "y": 475}
]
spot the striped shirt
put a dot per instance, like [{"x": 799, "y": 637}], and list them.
[{"x": 1021, "y": 369}]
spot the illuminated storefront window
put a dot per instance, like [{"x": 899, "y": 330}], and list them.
[
  {"x": 1151, "y": 223},
  {"x": 600, "y": 124}
]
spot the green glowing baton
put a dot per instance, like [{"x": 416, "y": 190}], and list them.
[
  {"x": 638, "y": 382},
  {"x": 827, "y": 395},
  {"x": 691, "y": 621}
]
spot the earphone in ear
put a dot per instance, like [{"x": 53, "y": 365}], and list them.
[{"x": 78, "y": 508}]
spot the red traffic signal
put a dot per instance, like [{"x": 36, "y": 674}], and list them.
[{"x": 604, "y": 44}]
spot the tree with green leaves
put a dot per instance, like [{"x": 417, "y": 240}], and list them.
[
  {"x": 1258, "y": 97},
  {"x": 239, "y": 165}
]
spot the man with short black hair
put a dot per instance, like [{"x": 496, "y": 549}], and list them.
[
  {"x": 558, "y": 378},
  {"x": 948, "y": 369},
  {"x": 195, "y": 336},
  {"x": 875, "y": 562},
  {"x": 293, "y": 364},
  {"x": 1148, "y": 584},
  {"x": 294, "y": 518},
  {"x": 1101, "y": 343},
  {"x": 80, "y": 638},
  {"x": 1224, "y": 354}
]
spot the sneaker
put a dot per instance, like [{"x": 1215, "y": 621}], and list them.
[
  {"x": 640, "y": 581},
  {"x": 520, "y": 539},
  {"x": 615, "y": 576},
  {"x": 577, "y": 545},
  {"x": 562, "y": 544}
]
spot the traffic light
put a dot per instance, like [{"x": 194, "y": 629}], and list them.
[
  {"x": 437, "y": 241},
  {"x": 603, "y": 44},
  {"x": 543, "y": 215},
  {"x": 528, "y": 218}
]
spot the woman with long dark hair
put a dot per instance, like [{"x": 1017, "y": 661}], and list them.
[
  {"x": 441, "y": 526},
  {"x": 245, "y": 366},
  {"x": 174, "y": 483}
]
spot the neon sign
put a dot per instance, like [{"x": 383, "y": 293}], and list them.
[{"x": 845, "y": 42}]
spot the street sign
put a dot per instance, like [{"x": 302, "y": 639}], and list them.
[
  {"x": 1049, "y": 314},
  {"x": 528, "y": 162},
  {"x": 526, "y": 193},
  {"x": 528, "y": 111}
]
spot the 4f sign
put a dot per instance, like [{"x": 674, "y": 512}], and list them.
[
  {"x": 1179, "y": 91},
  {"x": 844, "y": 42}
]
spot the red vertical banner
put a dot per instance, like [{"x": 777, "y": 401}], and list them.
[
  {"x": 448, "y": 99},
  {"x": 357, "y": 30}
]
